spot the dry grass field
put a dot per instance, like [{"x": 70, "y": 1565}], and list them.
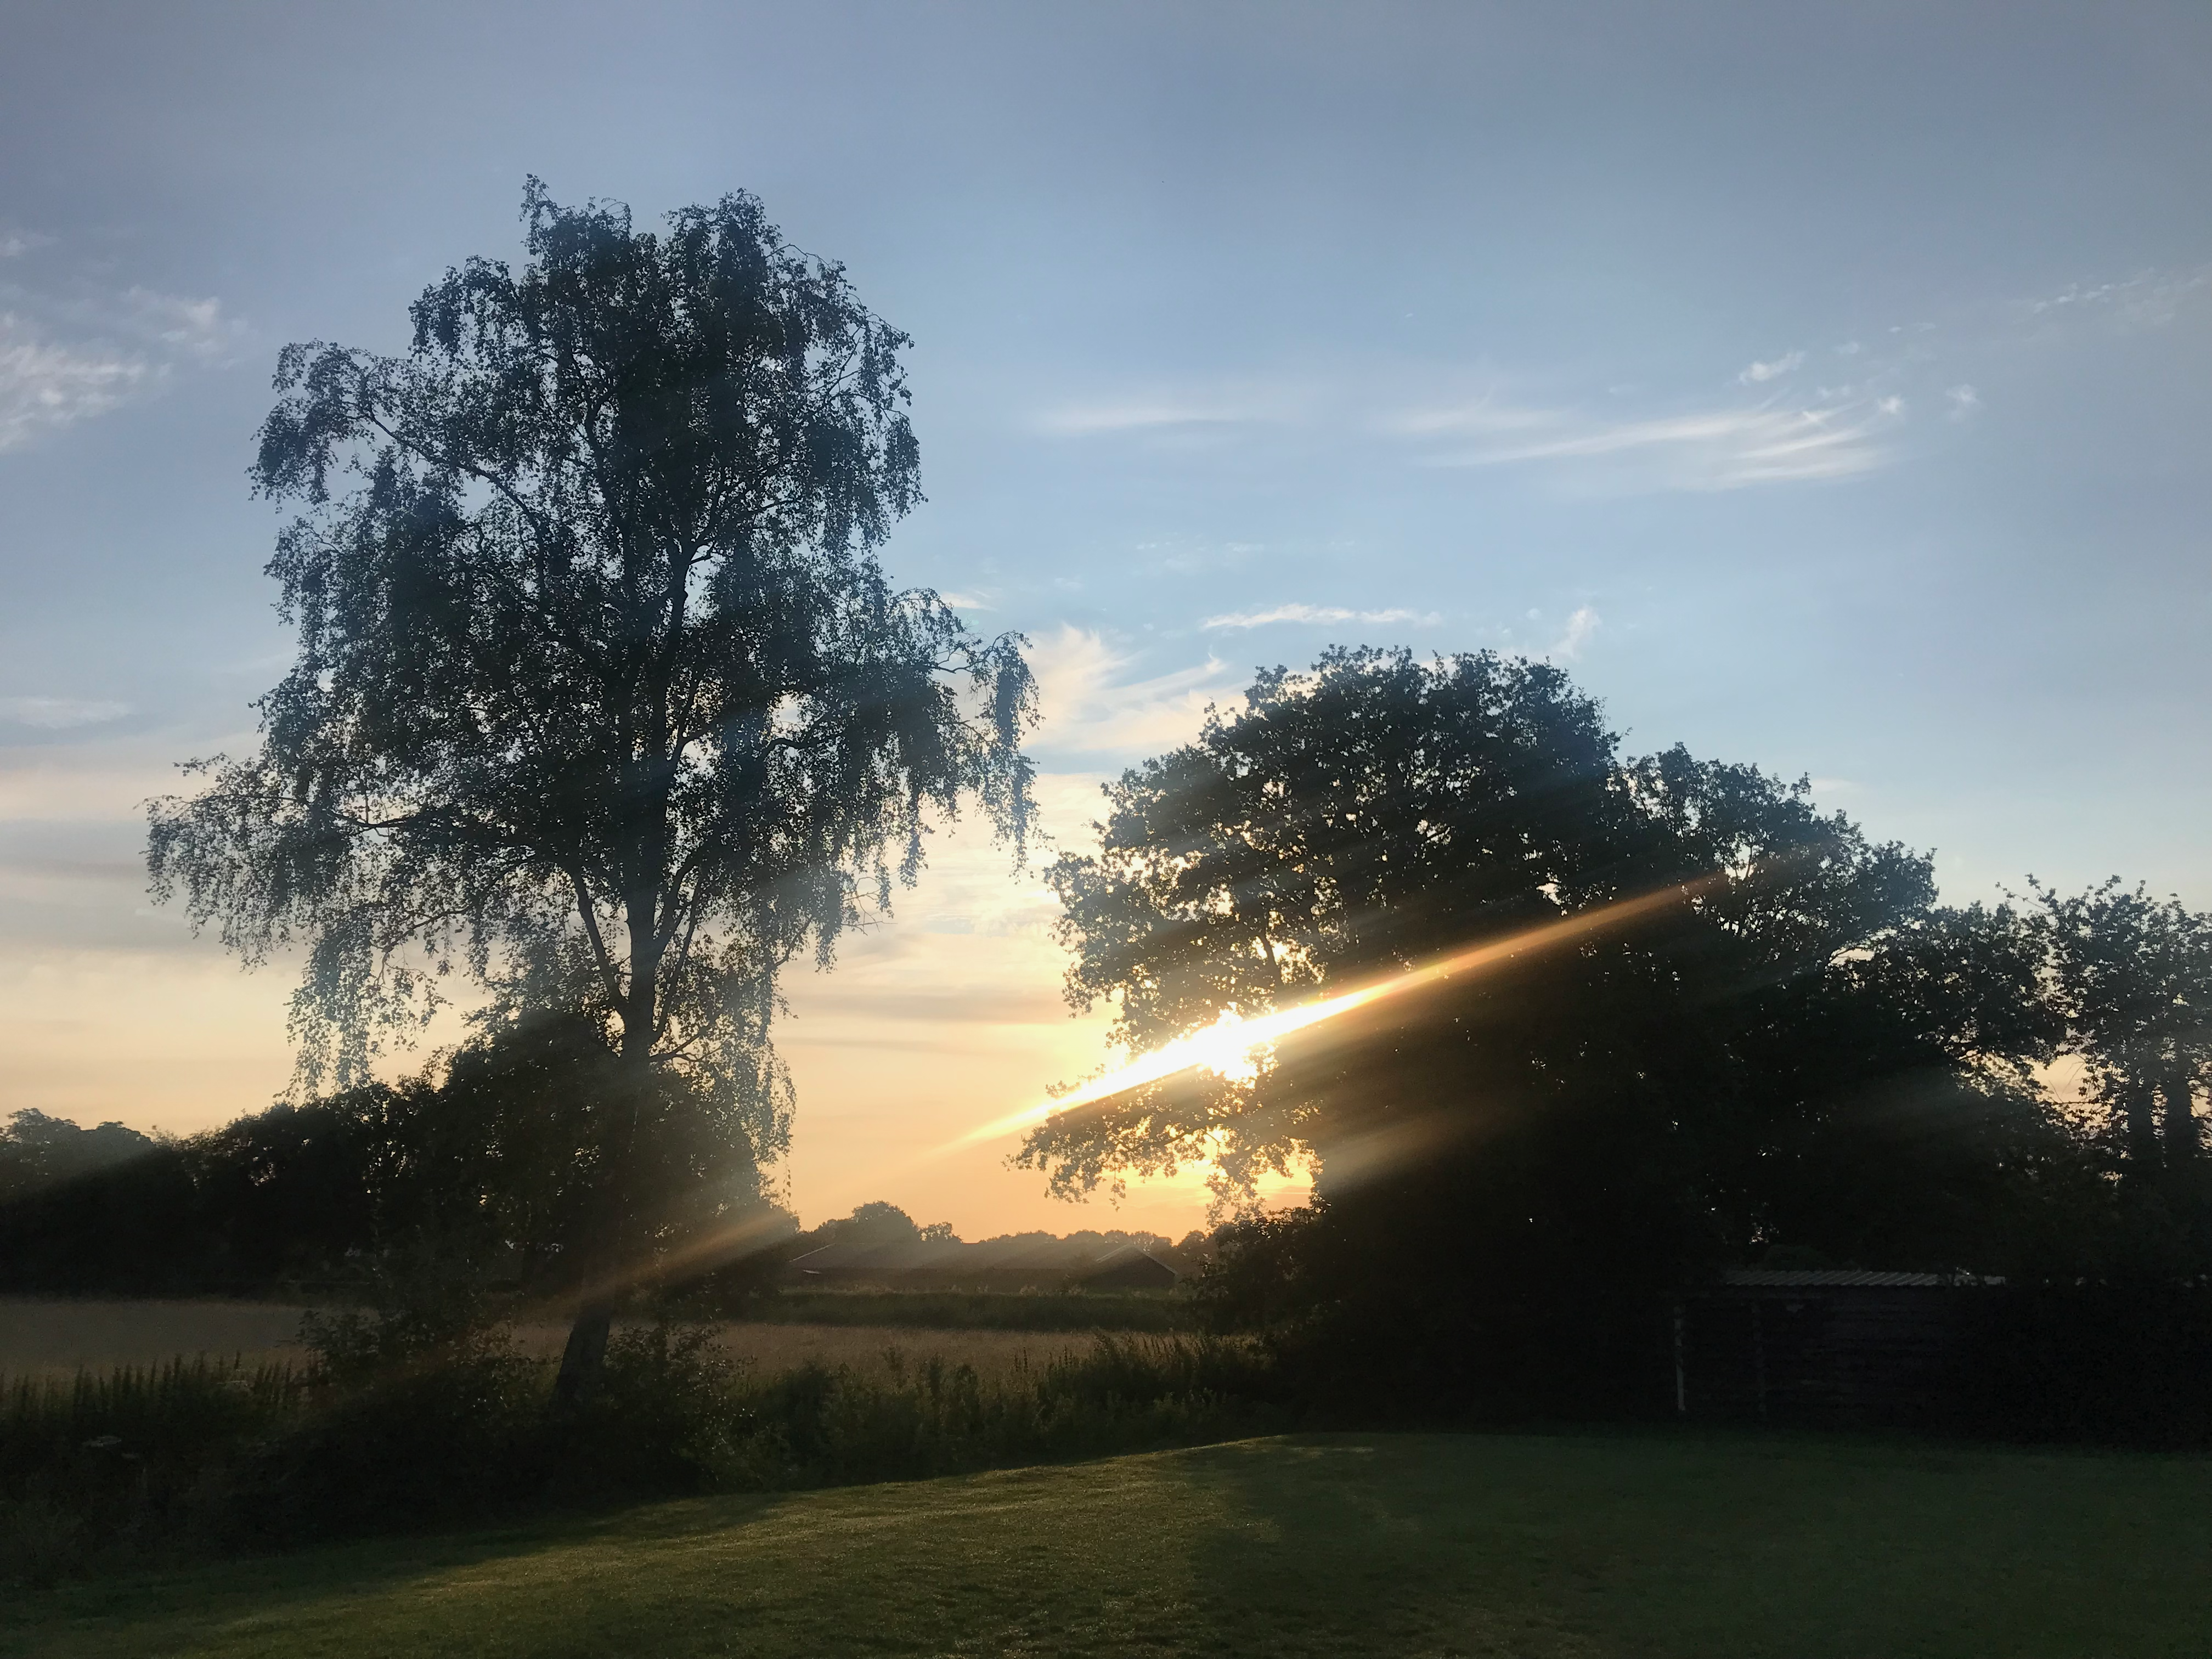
[
  {"x": 39, "y": 1337},
  {"x": 46, "y": 1338}
]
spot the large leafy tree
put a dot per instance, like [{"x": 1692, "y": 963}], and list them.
[
  {"x": 2131, "y": 978},
  {"x": 1797, "y": 1047},
  {"x": 602, "y": 697}
]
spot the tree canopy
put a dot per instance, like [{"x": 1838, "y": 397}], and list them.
[
  {"x": 602, "y": 698},
  {"x": 1798, "y": 1047},
  {"x": 2132, "y": 978}
]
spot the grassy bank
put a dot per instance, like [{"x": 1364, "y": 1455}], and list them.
[{"x": 1581, "y": 1544}]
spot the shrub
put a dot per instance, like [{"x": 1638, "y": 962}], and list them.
[
  {"x": 388, "y": 1433},
  {"x": 128, "y": 1463}
]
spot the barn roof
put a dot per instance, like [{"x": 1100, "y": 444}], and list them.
[{"x": 1827, "y": 1278}]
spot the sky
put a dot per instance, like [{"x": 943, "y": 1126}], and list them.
[{"x": 1826, "y": 386}]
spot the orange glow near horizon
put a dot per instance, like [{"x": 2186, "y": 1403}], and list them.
[{"x": 1230, "y": 1045}]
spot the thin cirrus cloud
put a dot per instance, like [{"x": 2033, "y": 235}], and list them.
[
  {"x": 1582, "y": 627},
  {"x": 72, "y": 357},
  {"x": 1174, "y": 411},
  {"x": 60, "y": 714},
  {"x": 1091, "y": 706},
  {"x": 1707, "y": 450},
  {"x": 1314, "y": 613},
  {"x": 1758, "y": 373},
  {"x": 1774, "y": 435},
  {"x": 44, "y": 384}
]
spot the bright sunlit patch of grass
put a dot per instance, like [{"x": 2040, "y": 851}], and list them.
[{"x": 1341, "y": 1546}]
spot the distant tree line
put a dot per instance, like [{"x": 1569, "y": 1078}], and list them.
[
  {"x": 480, "y": 1169},
  {"x": 488, "y": 1165},
  {"x": 880, "y": 1223}
]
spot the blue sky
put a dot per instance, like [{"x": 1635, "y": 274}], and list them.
[{"x": 1827, "y": 385}]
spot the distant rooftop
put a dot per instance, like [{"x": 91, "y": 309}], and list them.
[{"x": 1813, "y": 1277}]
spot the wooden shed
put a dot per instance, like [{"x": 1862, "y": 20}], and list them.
[{"x": 1818, "y": 1346}]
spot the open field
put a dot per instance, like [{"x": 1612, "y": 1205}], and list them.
[
  {"x": 1572, "y": 1545},
  {"x": 1138, "y": 1310},
  {"x": 38, "y": 1336},
  {"x": 41, "y": 1337}
]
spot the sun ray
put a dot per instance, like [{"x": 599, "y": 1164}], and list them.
[{"x": 1230, "y": 1044}]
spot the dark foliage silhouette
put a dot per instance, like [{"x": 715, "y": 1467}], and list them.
[
  {"x": 1800, "y": 1049},
  {"x": 602, "y": 697},
  {"x": 484, "y": 1169}
]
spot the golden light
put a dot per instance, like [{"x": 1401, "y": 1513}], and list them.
[{"x": 1231, "y": 1045}]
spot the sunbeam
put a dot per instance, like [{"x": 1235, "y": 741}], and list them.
[{"x": 1231, "y": 1045}]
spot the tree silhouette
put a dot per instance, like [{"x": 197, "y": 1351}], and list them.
[
  {"x": 1797, "y": 1046},
  {"x": 602, "y": 698},
  {"x": 2132, "y": 976}
]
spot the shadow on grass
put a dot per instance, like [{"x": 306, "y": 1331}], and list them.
[
  {"x": 1324, "y": 1546},
  {"x": 1694, "y": 1544}
]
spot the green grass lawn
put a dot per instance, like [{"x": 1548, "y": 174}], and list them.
[{"x": 1397, "y": 1544}]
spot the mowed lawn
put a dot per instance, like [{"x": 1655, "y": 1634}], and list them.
[{"x": 1397, "y": 1545}]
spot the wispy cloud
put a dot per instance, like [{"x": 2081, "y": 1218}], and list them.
[
  {"x": 192, "y": 328},
  {"x": 59, "y": 713},
  {"x": 966, "y": 602},
  {"x": 1758, "y": 373},
  {"x": 1186, "y": 409},
  {"x": 2149, "y": 299},
  {"x": 1964, "y": 400},
  {"x": 1089, "y": 708},
  {"x": 1482, "y": 417},
  {"x": 1716, "y": 449},
  {"x": 44, "y": 384},
  {"x": 1581, "y": 626},
  {"x": 72, "y": 357},
  {"x": 1314, "y": 613}
]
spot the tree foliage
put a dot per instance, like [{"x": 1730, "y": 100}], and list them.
[
  {"x": 483, "y": 1171},
  {"x": 1797, "y": 1047},
  {"x": 2132, "y": 980},
  {"x": 602, "y": 698},
  {"x": 38, "y": 1151}
]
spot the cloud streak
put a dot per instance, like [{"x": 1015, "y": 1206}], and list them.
[
  {"x": 1185, "y": 410},
  {"x": 1314, "y": 613},
  {"x": 1581, "y": 626},
  {"x": 43, "y": 386},
  {"x": 60, "y": 714},
  {"x": 64, "y": 361},
  {"x": 1711, "y": 449},
  {"x": 1758, "y": 373},
  {"x": 1089, "y": 708}
]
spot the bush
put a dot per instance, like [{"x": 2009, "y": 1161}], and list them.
[{"x": 128, "y": 1464}]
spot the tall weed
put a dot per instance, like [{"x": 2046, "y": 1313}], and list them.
[{"x": 197, "y": 1459}]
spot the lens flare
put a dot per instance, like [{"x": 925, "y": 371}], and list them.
[{"x": 1231, "y": 1045}]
